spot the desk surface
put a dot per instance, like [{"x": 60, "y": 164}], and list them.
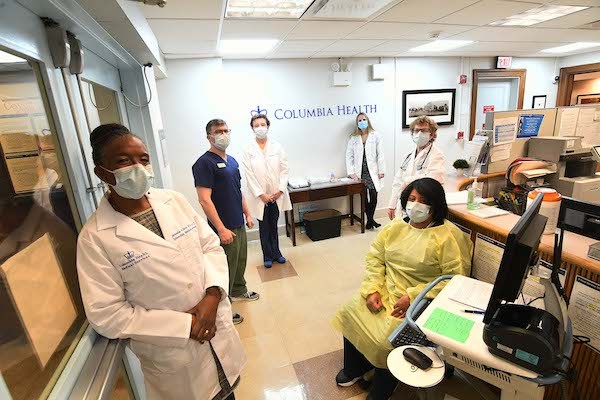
[
  {"x": 474, "y": 347},
  {"x": 325, "y": 185},
  {"x": 575, "y": 247}
]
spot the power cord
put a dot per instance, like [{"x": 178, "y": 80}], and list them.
[
  {"x": 537, "y": 298},
  {"x": 149, "y": 89},
  {"x": 92, "y": 99}
]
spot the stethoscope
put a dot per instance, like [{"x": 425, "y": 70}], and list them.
[{"x": 407, "y": 159}]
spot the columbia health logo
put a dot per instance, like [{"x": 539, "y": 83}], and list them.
[{"x": 316, "y": 111}]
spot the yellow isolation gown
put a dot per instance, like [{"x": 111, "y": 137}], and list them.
[{"x": 402, "y": 260}]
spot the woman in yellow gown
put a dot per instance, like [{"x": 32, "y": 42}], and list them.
[{"x": 405, "y": 256}]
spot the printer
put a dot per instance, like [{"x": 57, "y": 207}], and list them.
[{"x": 576, "y": 166}]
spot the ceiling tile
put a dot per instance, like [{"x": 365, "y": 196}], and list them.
[
  {"x": 188, "y": 56},
  {"x": 353, "y": 45},
  {"x": 509, "y": 47},
  {"x": 510, "y": 34},
  {"x": 588, "y": 3},
  {"x": 398, "y": 30},
  {"x": 376, "y": 53},
  {"x": 399, "y": 45},
  {"x": 323, "y": 29},
  {"x": 486, "y": 12},
  {"x": 334, "y": 54},
  {"x": 423, "y": 10},
  {"x": 205, "y": 9},
  {"x": 239, "y": 29},
  {"x": 573, "y": 20},
  {"x": 284, "y": 54},
  {"x": 299, "y": 46},
  {"x": 181, "y": 36}
]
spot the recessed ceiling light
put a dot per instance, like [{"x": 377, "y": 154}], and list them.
[
  {"x": 357, "y": 9},
  {"x": 442, "y": 45},
  {"x": 9, "y": 58},
  {"x": 538, "y": 15},
  {"x": 246, "y": 46},
  {"x": 571, "y": 47},
  {"x": 266, "y": 8}
]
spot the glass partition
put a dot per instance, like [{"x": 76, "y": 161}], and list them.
[{"x": 40, "y": 306}]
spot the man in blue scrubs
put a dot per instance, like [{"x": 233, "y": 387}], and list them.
[{"x": 218, "y": 183}]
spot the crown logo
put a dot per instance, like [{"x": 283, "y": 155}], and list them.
[
  {"x": 258, "y": 111},
  {"x": 129, "y": 255}
]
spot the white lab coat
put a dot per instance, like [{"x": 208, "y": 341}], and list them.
[
  {"x": 137, "y": 285},
  {"x": 430, "y": 163},
  {"x": 266, "y": 172},
  {"x": 374, "y": 151}
]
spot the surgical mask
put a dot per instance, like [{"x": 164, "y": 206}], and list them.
[
  {"x": 363, "y": 124},
  {"x": 417, "y": 212},
  {"x": 133, "y": 181},
  {"x": 261, "y": 132},
  {"x": 222, "y": 141},
  {"x": 421, "y": 138}
]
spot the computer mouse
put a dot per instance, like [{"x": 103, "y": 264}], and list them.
[{"x": 417, "y": 358}]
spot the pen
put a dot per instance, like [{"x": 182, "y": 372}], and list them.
[{"x": 474, "y": 312}]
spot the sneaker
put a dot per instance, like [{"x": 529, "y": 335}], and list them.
[
  {"x": 248, "y": 296},
  {"x": 268, "y": 264},
  {"x": 344, "y": 381},
  {"x": 281, "y": 260},
  {"x": 237, "y": 318}
]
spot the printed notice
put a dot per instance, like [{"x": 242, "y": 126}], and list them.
[
  {"x": 568, "y": 122},
  {"x": 26, "y": 173},
  {"x": 505, "y": 130},
  {"x": 486, "y": 259},
  {"x": 529, "y": 125},
  {"x": 450, "y": 325},
  {"x": 584, "y": 309},
  {"x": 18, "y": 143},
  {"x": 501, "y": 152}
]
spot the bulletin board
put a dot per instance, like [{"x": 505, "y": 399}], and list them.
[
  {"x": 579, "y": 121},
  {"x": 518, "y": 148}
]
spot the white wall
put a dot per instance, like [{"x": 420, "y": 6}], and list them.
[
  {"x": 201, "y": 89},
  {"x": 580, "y": 59}
]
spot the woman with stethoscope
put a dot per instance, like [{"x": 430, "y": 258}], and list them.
[
  {"x": 364, "y": 161},
  {"x": 425, "y": 161}
]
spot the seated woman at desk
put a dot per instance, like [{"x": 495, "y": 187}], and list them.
[{"x": 405, "y": 256}]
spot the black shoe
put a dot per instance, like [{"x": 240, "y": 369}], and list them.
[
  {"x": 369, "y": 225},
  {"x": 342, "y": 380},
  {"x": 376, "y": 225}
]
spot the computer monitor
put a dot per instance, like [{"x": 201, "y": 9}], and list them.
[{"x": 521, "y": 247}]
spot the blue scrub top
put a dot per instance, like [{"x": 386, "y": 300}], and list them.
[{"x": 223, "y": 177}]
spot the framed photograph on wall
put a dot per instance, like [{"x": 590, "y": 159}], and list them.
[
  {"x": 588, "y": 98},
  {"x": 538, "y": 102},
  {"x": 438, "y": 104}
]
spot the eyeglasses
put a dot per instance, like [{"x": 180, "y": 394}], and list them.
[
  {"x": 421, "y": 131},
  {"x": 222, "y": 131}
]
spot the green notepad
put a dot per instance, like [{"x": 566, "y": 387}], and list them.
[{"x": 450, "y": 325}]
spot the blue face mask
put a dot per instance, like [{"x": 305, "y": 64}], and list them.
[{"x": 363, "y": 124}]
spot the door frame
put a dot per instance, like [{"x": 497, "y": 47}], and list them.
[
  {"x": 479, "y": 74},
  {"x": 566, "y": 79}
]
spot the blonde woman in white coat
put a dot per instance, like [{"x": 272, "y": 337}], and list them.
[
  {"x": 152, "y": 271},
  {"x": 365, "y": 161},
  {"x": 265, "y": 168},
  {"x": 425, "y": 161}
]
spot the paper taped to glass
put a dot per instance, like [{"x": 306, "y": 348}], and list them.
[{"x": 37, "y": 287}]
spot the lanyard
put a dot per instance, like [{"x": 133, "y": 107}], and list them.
[{"x": 407, "y": 159}]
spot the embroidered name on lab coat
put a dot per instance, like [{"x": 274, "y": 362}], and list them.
[
  {"x": 185, "y": 230},
  {"x": 133, "y": 259}
]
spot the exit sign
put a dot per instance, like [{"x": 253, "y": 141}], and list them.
[{"x": 504, "y": 62}]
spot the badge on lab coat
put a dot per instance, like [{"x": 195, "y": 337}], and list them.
[{"x": 221, "y": 165}]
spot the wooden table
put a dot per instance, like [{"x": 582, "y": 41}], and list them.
[{"x": 324, "y": 191}]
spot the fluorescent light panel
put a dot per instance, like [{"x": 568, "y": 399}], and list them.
[
  {"x": 348, "y": 9},
  {"x": 571, "y": 47},
  {"x": 538, "y": 15},
  {"x": 441, "y": 45},
  {"x": 246, "y": 46},
  {"x": 266, "y": 8}
]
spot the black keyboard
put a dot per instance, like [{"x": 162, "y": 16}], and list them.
[{"x": 404, "y": 335}]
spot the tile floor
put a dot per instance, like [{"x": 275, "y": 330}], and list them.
[{"x": 293, "y": 352}]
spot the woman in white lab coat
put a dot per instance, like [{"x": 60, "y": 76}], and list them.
[
  {"x": 426, "y": 160},
  {"x": 265, "y": 168},
  {"x": 151, "y": 270},
  {"x": 365, "y": 161}
]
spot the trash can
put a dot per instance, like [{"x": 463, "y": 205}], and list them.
[{"x": 324, "y": 224}]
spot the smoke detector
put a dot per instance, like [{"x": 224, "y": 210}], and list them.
[{"x": 435, "y": 35}]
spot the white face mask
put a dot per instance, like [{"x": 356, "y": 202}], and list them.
[
  {"x": 222, "y": 141},
  {"x": 417, "y": 212},
  {"x": 133, "y": 181},
  {"x": 261, "y": 132},
  {"x": 421, "y": 138}
]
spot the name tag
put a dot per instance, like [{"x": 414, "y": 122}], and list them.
[{"x": 221, "y": 165}]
